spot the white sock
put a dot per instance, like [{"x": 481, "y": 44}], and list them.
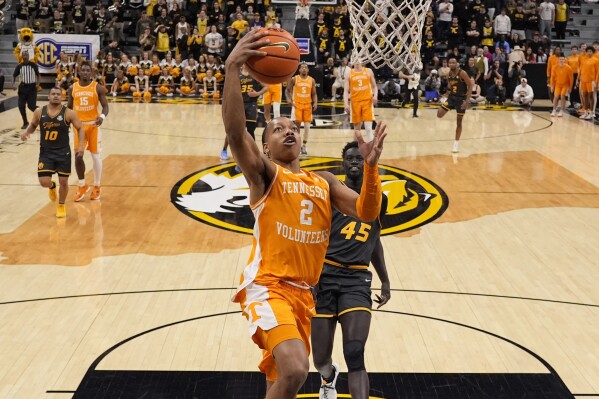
[
  {"x": 368, "y": 127},
  {"x": 97, "y": 160},
  {"x": 276, "y": 109},
  {"x": 306, "y": 132},
  {"x": 81, "y": 182}
]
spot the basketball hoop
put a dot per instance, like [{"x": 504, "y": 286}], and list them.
[{"x": 387, "y": 32}]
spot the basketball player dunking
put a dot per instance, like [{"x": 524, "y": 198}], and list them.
[
  {"x": 460, "y": 90},
  {"x": 84, "y": 97},
  {"x": 54, "y": 120},
  {"x": 289, "y": 247}
]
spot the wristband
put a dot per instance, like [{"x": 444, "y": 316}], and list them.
[{"x": 102, "y": 116}]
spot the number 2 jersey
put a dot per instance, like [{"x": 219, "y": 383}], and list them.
[
  {"x": 352, "y": 241},
  {"x": 291, "y": 230}
]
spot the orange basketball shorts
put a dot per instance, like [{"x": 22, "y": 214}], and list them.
[
  {"x": 93, "y": 137},
  {"x": 560, "y": 90},
  {"x": 586, "y": 87},
  {"x": 274, "y": 94},
  {"x": 276, "y": 313},
  {"x": 361, "y": 111},
  {"x": 303, "y": 112}
]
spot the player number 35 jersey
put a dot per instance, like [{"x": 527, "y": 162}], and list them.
[{"x": 291, "y": 230}]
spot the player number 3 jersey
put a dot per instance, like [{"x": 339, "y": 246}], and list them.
[{"x": 291, "y": 230}]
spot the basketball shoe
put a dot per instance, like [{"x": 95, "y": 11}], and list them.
[
  {"x": 61, "y": 211},
  {"x": 80, "y": 194},
  {"x": 52, "y": 192},
  {"x": 327, "y": 389},
  {"x": 95, "y": 195}
]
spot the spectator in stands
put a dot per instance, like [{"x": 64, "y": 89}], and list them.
[
  {"x": 532, "y": 23},
  {"x": 473, "y": 35},
  {"x": 547, "y": 17},
  {"x": 499, "y": 55},
  {"x": 43, "y": 15},
  {"x": 481, "y": 17},
  {"x": 516, "y": 56},
  {"x": 428, "y": 47},
  {"x": 432, "y": 85},
  {"x": 535, "y": 43},
  {"x": 117, "y": 14},
  {"x": 523, "y": 94},
  {"x": 57, "y": 23},
  {"x": 453, "y": 34},
  {"x": 390, "y": 91},
  {"x": 487, "y": 34},
  {"x": 147, "y": 40},
  {"x": 530, "y": 56},
  {"x": 318, "y": 27},
  {"x": 496, "y": 93},
  {"x": 503, "y": 44},
  {"x": 328, "y": 76},
  {"x": 541, "y": 56},
  {"x": 445, "y": 8},
  {"x": 22, "y": 14},
  {"x": 339, "y": 73},
  {"x": 546, "y": 43},
  {"x": 516, "y": 74},
  {"x": 343, "y": 46},
  {"x": 324, "y": 46},
  {"x": 495, "y": 72},
  {"x": 164, "y": 20},
  {"x": 562, "y": 12},
  {"x": 502, "y": 25},
  {"x": 476, "y": 98},
  {"x": 162, "y": 41},
  {"x": 182, "y": 26},
  {"x": 490, "y": 6},
  {"x": 429, "y": 26},
  {"x": 518, "y": 20},
  {"x": 516, "y": 40},
  {"x": 240, "y": 25},
  {"x": 273, "y": 22},
  {"x": 214, "y": 41},
  {"x": 230, "y": 40},
  {"x": 143, "y": 23},
  {"x": 78, "y": 15}
]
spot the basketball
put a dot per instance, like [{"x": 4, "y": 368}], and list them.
[{"x": 281, "y": 61}]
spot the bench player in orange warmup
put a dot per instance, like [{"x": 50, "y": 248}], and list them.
[{"x": 288, "y": 247}]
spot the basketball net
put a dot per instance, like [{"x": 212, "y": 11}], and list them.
[{"x": 387, "y": 32}]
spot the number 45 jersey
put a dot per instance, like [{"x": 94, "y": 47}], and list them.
[
  {"x": 352, "y": 241},
  {"x": 291, "y": 230}
]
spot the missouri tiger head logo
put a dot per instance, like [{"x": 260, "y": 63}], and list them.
[{"x": 220, "y": 196}]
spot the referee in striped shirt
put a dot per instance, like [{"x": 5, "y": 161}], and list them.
[{"x": 29, "y": 77}]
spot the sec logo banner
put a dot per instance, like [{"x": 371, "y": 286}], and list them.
[{"x": 220, "y": 196}]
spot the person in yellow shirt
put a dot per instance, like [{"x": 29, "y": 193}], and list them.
[
  {"x": 162, "y": 41},
  {"x": 240, "y": 25},
  {"x": 574, "y": 61},
  {"x": 562, "y": 79},
  {"x": 561, "y": 19}
]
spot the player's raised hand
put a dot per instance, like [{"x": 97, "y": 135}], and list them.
[
  {"x": 371, "y": 151},
  {"x": 247, "y": 47}
]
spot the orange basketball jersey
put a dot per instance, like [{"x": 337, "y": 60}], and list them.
[
  {"x": 562, "y": 76},
  {"x": 302, "y": 90},
  {"x": 588, "y": 69},
  {"x": 85, "y": 101},
  {"x": 359, "y": 85},
  {"x": 291, "y": 230}
]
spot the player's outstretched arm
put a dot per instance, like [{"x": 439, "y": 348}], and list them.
[
  {"x": 367, "y": 205},
  {"x": 244, "y": 149},
  {"x": 35, "y": 121}
]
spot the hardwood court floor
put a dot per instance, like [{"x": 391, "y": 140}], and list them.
[{"x": 500, "y": 289}]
